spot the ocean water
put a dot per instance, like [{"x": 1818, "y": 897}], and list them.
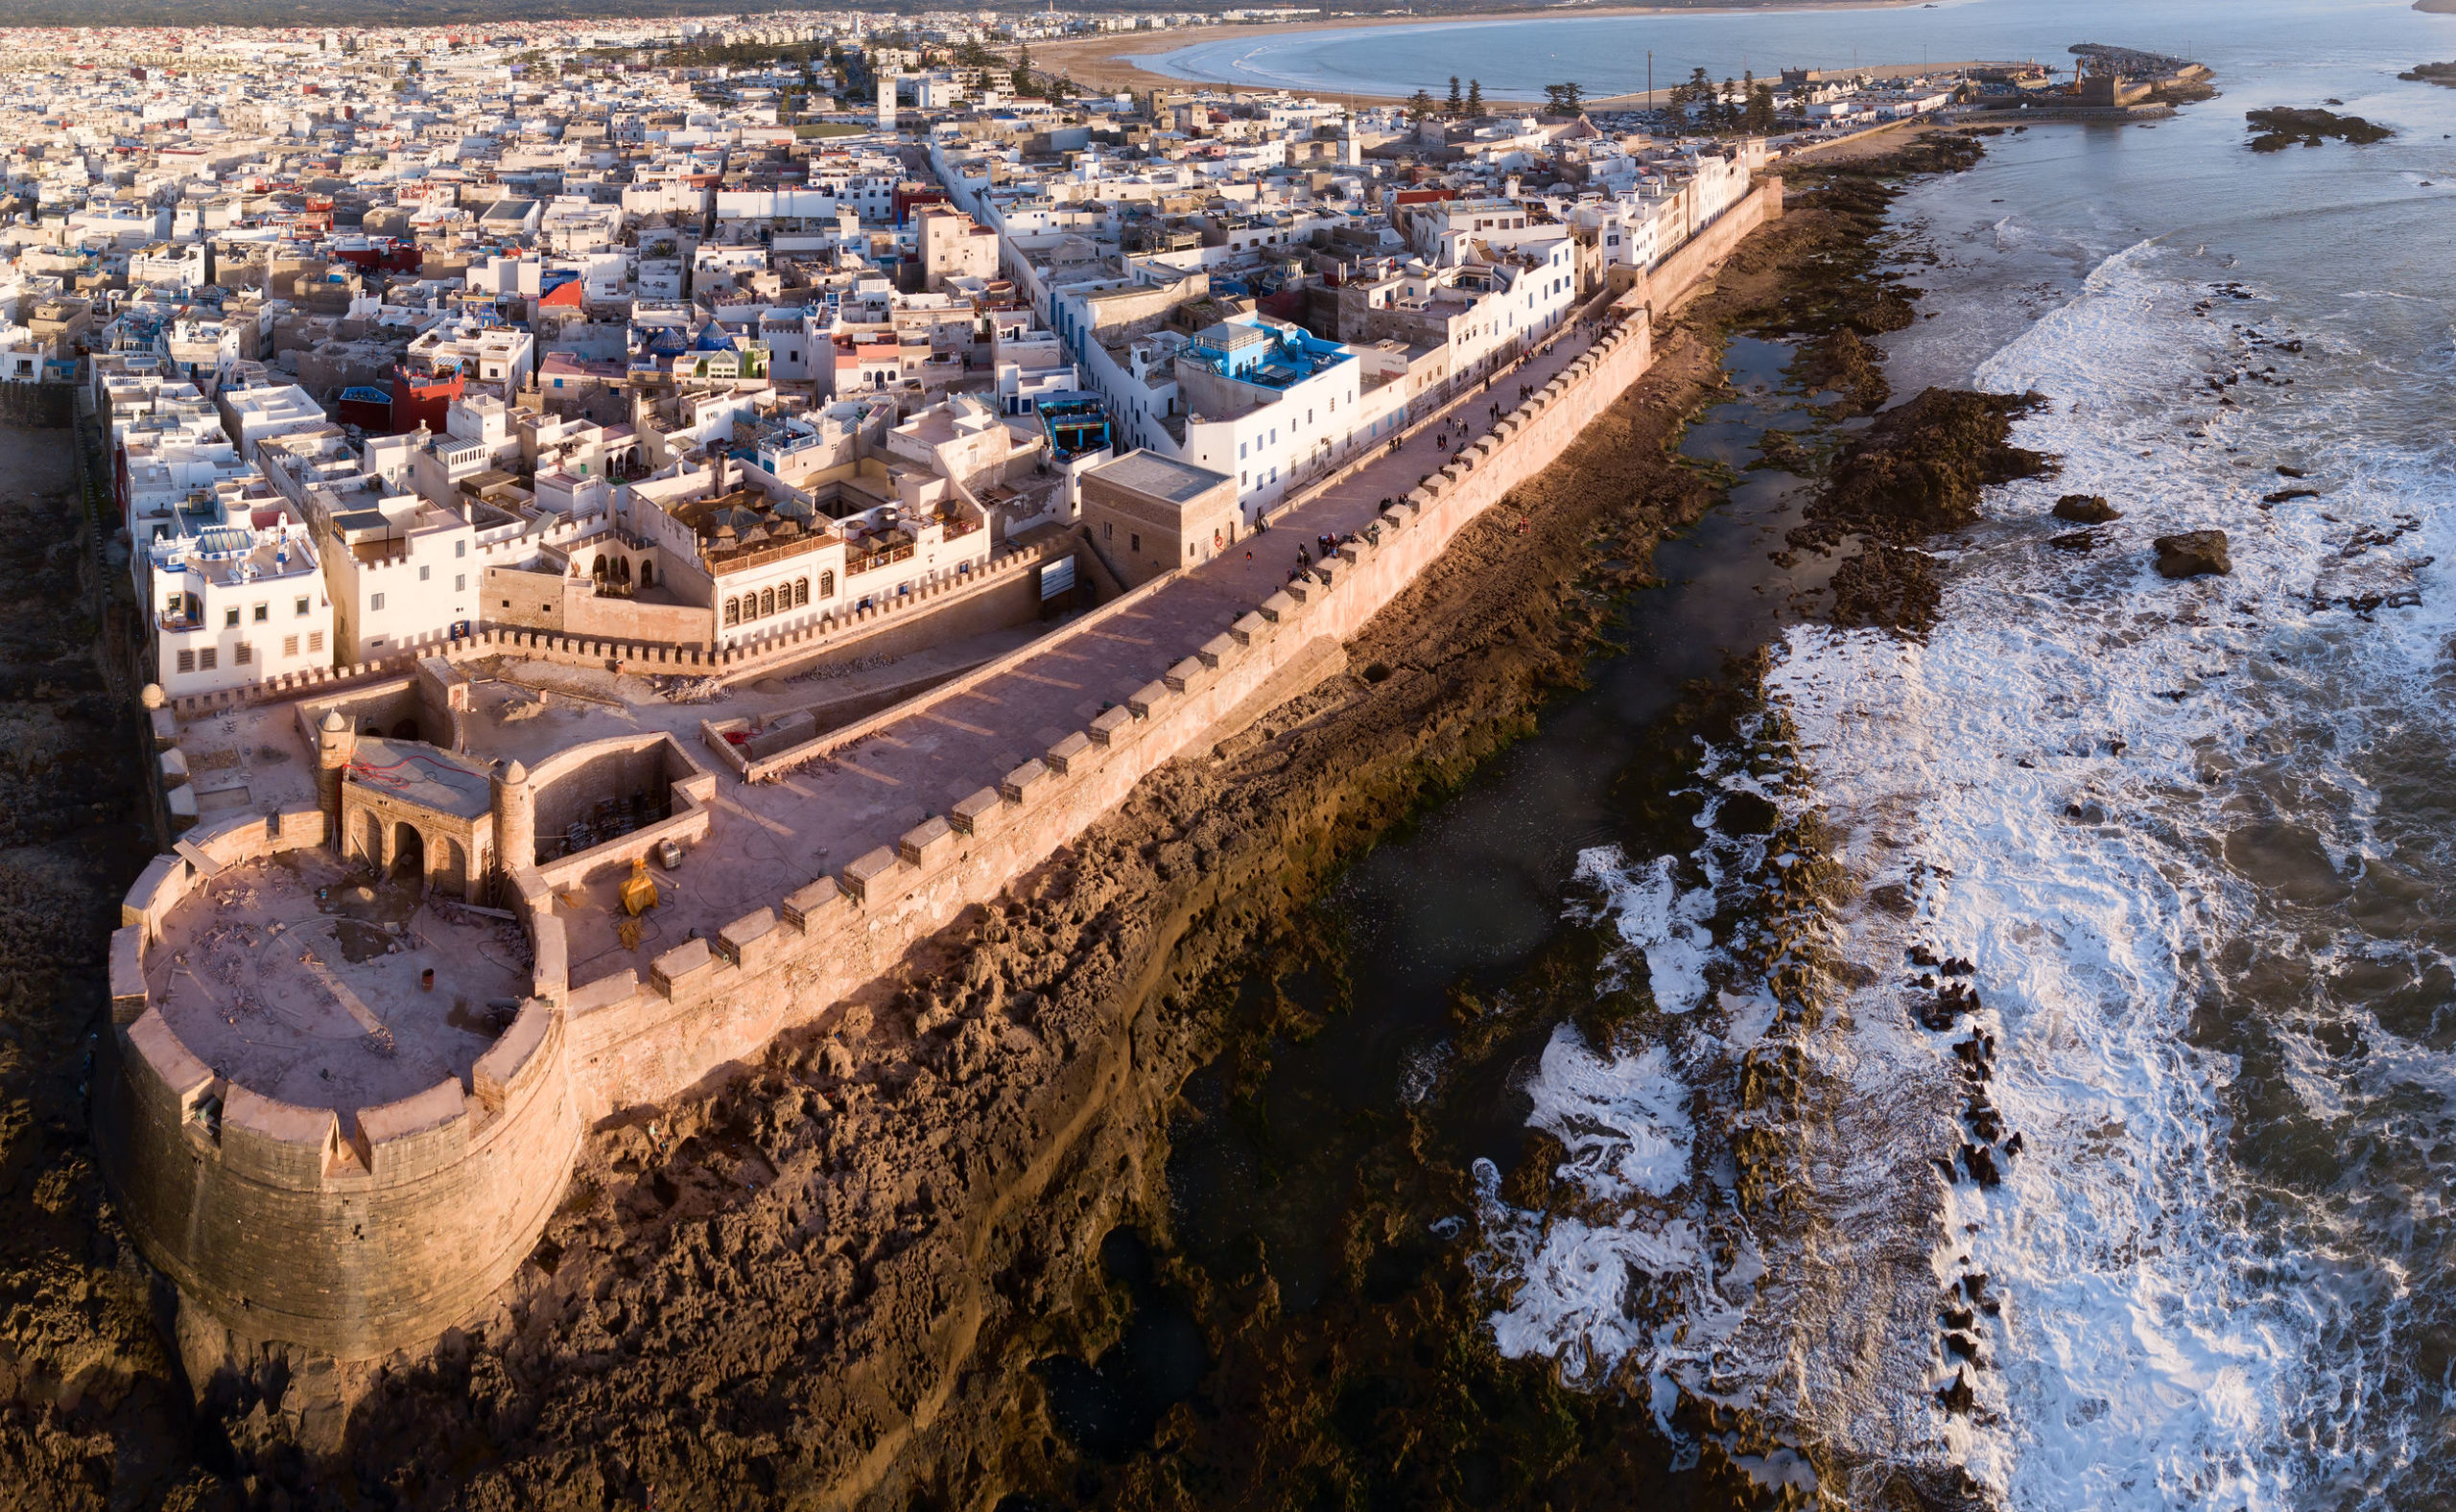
[
  {"x": 1516, "y": 59},
  {"x": 2194, "y": 839}
]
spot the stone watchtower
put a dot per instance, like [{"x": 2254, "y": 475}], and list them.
[
  {"x": 335, "y": 743},
  {"x": 516, "y": 818}
]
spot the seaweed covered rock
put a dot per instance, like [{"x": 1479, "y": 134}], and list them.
[
  {"x": 1921, "y": 468},
  {"x": 1846, "y": 363},
  {"x": 1880, "y": 311},
  {"x": 1892, "y": 587},
  {"x": 1918, "y": 470}
]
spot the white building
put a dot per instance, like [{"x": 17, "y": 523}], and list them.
[
  {"x": 1271, "y": 405},
  {"x": 249, "y": 415},
  {"x": 401, "y": 573},
  {"x": 236, "y": 592}
]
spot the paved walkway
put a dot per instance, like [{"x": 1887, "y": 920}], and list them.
[{"x": 776, "y": 836}]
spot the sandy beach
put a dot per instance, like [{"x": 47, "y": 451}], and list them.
[{"x": 1107, "y": 63}]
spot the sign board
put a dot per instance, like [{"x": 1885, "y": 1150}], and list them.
[{"x": 1056, "y": 577}]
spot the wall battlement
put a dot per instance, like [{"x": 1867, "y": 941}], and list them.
[{"x": 360, "y": 1235}]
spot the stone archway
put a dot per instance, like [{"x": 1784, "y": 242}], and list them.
[
  {"x": 371, "y": 844},
  {"x": 451, "y": 871},
  {"x": 409, "y": 853},
  {"x": 647, "y": 574}
]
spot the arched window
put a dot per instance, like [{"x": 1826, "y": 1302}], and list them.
[
  {"x": 827, "y": 586},
  {"x": 766, "y": 602},
  {"x": 801, "y": 592},
  {"x": 733, "y": 611}
]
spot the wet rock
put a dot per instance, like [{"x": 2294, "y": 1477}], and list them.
[
  {"x": 1981, "y": 1162},
  {"x": 2282, "y": 126},
  {"x": 1919, "y": 469},
  {"x": 1880, "y": 312},
  {"x": 2289, "y": 495},
  {"x": 2086, "y": 509},
  {"x": 2284, "y": 471},
  {"x": 2193, "y": 554},
  {"x": 1945, "y": 1008},
  {"x": 2075, "y": 541},
  {"x": 1956, "y": 1396}
]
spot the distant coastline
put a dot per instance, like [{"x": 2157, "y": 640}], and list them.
[
  {"x": 1107, "y": 64},
  {"x": 2436, "y": 7}
]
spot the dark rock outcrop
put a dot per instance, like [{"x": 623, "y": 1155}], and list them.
[
  {"x": 2282, "y": 126},
  {"x": 2086, "y": 509},
  {"x": 2193, "y": 554}
]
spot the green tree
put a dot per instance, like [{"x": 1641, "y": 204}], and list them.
[
  {"x": 1022, "y": 75},
  {"x": 1729, "y": 112},
  {"x": 1760, "y": 118},
  {"x": 1565, "y": 99},
  {"x": 1421, "y": 106},
  {"x": 1476, "y": 97},
  {"x": 1457, "y": 104}
]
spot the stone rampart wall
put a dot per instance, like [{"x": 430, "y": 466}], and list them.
[
  {"x": 708, "y": 1002},
  {"x": 1677, "y": 274}
]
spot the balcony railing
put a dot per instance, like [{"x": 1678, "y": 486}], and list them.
[{"x": 883, "y": 556}]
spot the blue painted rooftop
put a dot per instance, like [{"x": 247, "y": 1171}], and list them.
[{"x": 1265, "y": 356}]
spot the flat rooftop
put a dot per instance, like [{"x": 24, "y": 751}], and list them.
[
  {"x": 1158, "y": 477},
  {"x": 417, "y": 773}
]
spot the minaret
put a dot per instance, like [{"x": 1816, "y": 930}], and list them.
[
  {"x": 886, "y": 102},
  {"x": 335, "y": 743}
]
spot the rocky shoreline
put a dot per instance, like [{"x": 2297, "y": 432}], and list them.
[{"x": 826, "y": 1280}]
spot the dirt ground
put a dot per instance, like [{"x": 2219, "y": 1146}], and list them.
[{"x": 822, "y": 1280}]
